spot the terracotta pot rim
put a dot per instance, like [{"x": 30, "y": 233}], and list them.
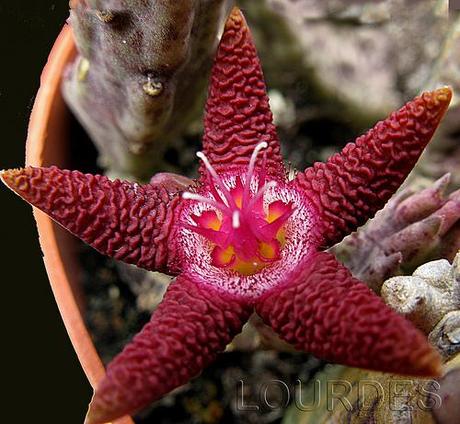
[{"x": 49, "y": 114}]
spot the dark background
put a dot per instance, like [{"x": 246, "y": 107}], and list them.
[{"x": 42, "y": 380}]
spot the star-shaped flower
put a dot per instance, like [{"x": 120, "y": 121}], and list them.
[{"x": 243, "y": 237}]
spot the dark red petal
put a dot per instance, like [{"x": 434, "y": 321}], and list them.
[
  {"x": 124, "y": 220},
  {"x": 352, "y": 185},
  {"x": 185, "y": 334},
  {"x": 327, "y": 312},
  {"x": 238, "y": 115}
]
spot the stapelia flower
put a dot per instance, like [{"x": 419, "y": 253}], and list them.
[{"x": 243, "y": 237}]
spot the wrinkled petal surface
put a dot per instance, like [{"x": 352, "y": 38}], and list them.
[
  {"x": 352, "y": 185},
  {"x": 190, "y": 327},
  {"x": 324, "y": 310},
  {"x": 120, "y": 219},
  {"x": 238, "y": 115}
]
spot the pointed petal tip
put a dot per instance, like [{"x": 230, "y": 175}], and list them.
[
  {"x": 443, "y": 94},
  {"x": 238, "y": 115},
  {"x": 6, "y": 174},
  {"x": 236, "y": 19},
  {"x": 429, "y": 365},
  {"x": 10, "y": 177},
  {"x": 438, "y": 99},
  {"x": 236, "y": 14}
]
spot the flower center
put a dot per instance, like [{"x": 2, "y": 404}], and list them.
[{"x": 246, "y": 232}]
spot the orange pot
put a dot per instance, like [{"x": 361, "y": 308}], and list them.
[{"x": 47, "y": 145}]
